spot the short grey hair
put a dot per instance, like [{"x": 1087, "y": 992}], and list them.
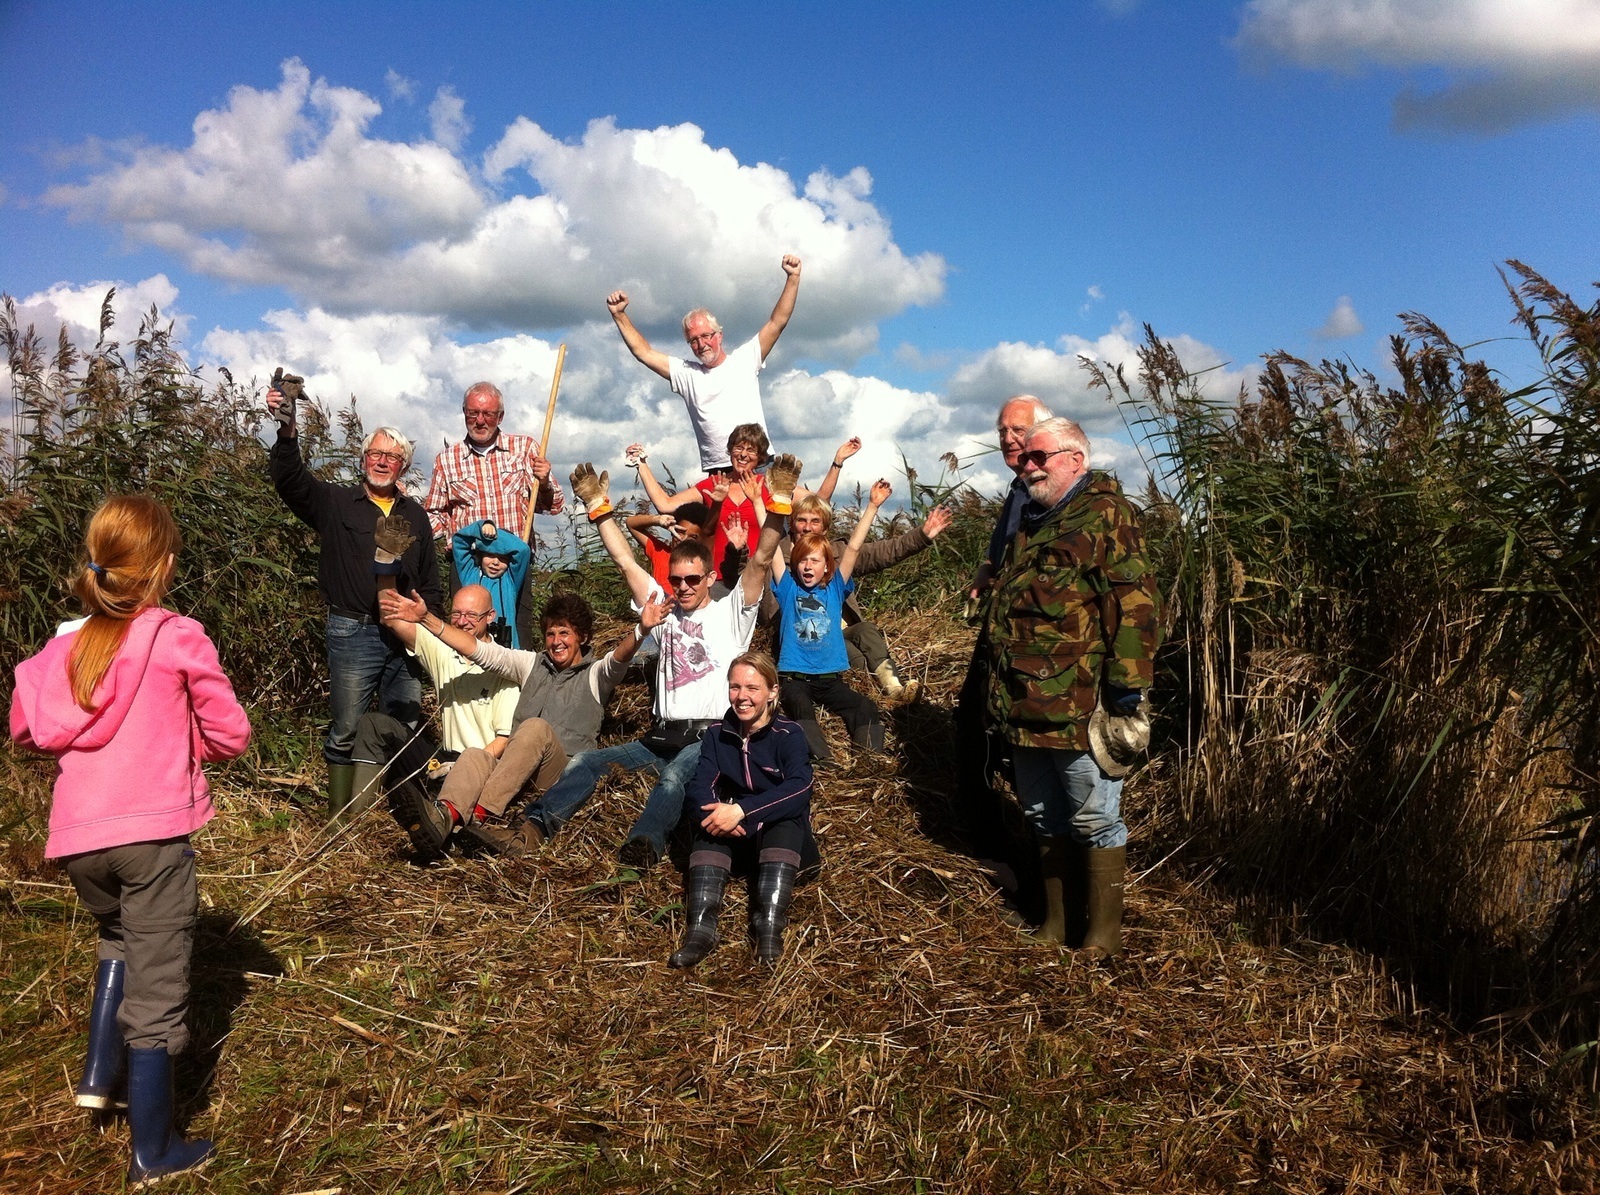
[
  {"x": 401, "y": 441},
  {"x": 1067, "y": 434},
  {"x": 702, "y": 313},
  {"x": 488, "y": 388},
  {"x": 1040, "y": 411}
]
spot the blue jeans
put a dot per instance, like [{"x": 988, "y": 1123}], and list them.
[
  {"x": 1064, "y": 793},
  {"x": 365, "y": 660},
  {"x": 662, "y": 810}
]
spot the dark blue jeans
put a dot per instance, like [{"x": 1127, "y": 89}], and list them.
[
  {"x": 663, "y": 809},
  {"x": 364, "y": 661}
]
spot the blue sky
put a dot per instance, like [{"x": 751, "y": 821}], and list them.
[{"x": 1043, "y": 179}]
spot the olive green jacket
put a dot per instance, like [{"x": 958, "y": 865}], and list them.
[{"x": 1074, "y": 605}]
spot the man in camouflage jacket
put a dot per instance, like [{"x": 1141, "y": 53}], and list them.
[{"x": 1071, "y": 622}]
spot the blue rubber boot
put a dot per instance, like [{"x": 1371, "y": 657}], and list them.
[
  {"x": 157, "y": 1150},
  {"x": 108, "y": 1058}
]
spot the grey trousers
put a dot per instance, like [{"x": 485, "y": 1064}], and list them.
[
  {"x": 865, "y": 645},
  {"x": 145, "y": 899}
]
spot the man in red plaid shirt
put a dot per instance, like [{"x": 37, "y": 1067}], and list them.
[{"x": 490, "y": 474}]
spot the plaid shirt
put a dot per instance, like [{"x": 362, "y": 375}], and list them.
[{"x": 468, "y": 486}]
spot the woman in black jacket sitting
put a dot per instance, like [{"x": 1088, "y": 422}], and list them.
[{"x": 753, "y": 786}]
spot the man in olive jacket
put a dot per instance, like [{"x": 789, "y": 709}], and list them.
[{"x": 1072, "y": 623}]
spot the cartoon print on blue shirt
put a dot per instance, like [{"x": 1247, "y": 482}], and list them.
[{"x": 811, "y": 618}]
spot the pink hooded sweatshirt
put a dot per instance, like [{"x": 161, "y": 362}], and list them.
[{"x": 129, "y": 770}]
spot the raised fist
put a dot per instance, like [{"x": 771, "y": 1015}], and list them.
[{"x": 617, "y": 302}]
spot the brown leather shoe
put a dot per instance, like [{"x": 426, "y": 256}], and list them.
[{"x": 495, "y": 836}]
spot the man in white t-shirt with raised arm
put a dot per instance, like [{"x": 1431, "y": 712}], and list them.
[
  {"x": 719, "y": 388},
  {"x": 699, "y": 639}
]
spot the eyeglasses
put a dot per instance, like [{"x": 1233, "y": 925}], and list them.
[
  {"x": 471, "y": 615},
  {"x": 704, "y": 338},
  {"x": 1038, "y": 456},
  {"x": 689, "y": 580},
  {"x": 483, "y": 416},
  {"x": 394, "y": 458}
]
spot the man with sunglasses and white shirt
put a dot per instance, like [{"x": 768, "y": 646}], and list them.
[
  {"x": 364, "y": 659},
  {"x": 1072, "y": 625},
  {"x": 698, "y": 639}
]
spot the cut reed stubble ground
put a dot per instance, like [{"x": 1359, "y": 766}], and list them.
[{"x": 513, "y": 1027}]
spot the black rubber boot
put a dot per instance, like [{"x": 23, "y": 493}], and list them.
[
  {"x": 108, "y": 1058},
  {"x": 703, "y": 887},
  {"x": 1106, "y": 867},
  {"x": 157, "y": 1150},
  {"x": 769, "y": 908}
]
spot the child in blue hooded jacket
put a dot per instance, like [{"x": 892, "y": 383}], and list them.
[{"x": 498, "y": 560}]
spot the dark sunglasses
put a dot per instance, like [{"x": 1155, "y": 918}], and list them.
[
  {"x": 689, "y": 579},
  {"x": 1038, "y": 456}
]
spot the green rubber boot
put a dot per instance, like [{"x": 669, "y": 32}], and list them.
[
  {"x": 341, "y": 786},
  {"x": 366, "y": 786},
  {"x": 1106, "y": 867}
]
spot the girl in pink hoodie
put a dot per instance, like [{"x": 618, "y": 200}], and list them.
[{"x": 131, "y": 700}]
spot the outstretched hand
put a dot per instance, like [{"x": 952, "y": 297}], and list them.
[
  {"x": 401, "y": 607},
  {"x": 938, "y": 519},
  {"x": 654, "y": 611},
  {"x": 737, "y": 533}
]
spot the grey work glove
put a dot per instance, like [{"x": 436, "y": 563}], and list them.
[{"x": 292, "y": 389}]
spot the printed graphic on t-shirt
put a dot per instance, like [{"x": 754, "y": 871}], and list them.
[
  {"x": 810, "y": 618},
  {"x": 686, "y": 658}
]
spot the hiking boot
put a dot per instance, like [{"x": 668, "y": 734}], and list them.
[
  {"x": 495, "y": 835},
  {"x": 532, "y": 833},
  {"x": 426, "y": 821},
  {"x": 896, "y": 691},
  {"x": 640, "y": 853}
]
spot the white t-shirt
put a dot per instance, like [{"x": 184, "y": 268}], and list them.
[
  {"x": 474, "y": 706},
  {"x": 696, "y": 649},
  {"x": 720, "y": 399}
]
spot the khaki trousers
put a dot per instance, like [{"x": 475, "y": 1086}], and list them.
[{"x": 532, "y": 761}]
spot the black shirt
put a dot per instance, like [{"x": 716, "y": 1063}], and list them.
[{"x": 344, "y": 518}]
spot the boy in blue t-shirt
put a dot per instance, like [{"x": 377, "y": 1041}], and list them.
[
  {"x": 812, "y": 657},
  {"x": 498, "y": 560}
]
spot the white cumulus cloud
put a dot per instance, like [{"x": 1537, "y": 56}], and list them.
[
  {"x": 1342, "y": 321},
  {"x": 77, "y": 309},
  {"x": 1508, "y": 61},
  {"x": 288, "y": 187}
]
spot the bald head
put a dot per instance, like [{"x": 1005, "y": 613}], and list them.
[
  {"x": 1017, "y": 417},
  {"x": 472, "y": 609}
]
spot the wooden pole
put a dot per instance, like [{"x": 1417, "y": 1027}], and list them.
[{"x": 544, "y": 440}]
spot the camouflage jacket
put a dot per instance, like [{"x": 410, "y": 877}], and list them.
[{"x": 1074, "y": 604}]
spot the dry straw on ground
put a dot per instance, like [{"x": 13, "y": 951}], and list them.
[{"x": 500, "y": 1027}]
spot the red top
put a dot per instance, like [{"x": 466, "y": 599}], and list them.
[{"x": 726, "y": 562}]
